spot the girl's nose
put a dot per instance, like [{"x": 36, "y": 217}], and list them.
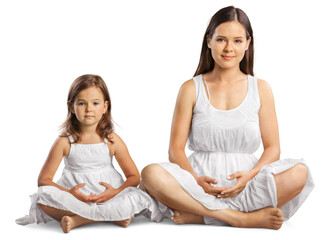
[{"x": 88, "y": 108}]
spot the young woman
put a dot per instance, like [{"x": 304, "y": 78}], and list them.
[{"x": 224, "y": 112}]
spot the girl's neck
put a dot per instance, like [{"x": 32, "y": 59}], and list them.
[{"x": 89, "y": 135}]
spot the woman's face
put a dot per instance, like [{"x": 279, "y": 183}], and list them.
[{"x": 228, "y": 44}]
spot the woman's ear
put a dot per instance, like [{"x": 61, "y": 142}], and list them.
[
  {"x": 248, "y": 43},
  {"x": 209, "y": 40}
]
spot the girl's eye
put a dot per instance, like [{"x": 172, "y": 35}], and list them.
[{"x": 81, "y": 104}]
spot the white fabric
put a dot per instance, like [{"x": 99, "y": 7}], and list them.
[
  {"x": 223, "y": 142},
  {"x": 91, "y": 164}
]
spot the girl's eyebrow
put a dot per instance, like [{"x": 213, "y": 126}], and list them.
[{"x": 81, "y": 99}]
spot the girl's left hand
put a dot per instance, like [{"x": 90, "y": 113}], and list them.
[
  {"x": 108, "y": 193},
  {"x": 242, "y": 179}
]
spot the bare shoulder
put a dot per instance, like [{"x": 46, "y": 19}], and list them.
[
  {"x": 188, "y": 87},
  {"x": 63, "y": 143},
  {"x": 115, "y": 143},
  {"x": 187, "y": 92},
  {"x": 264, "y": 89}
]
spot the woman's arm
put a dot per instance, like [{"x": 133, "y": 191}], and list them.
[
  {"x": 120, "y": 151},
  {"x": 270, "y": 138},
  {"x": 268, "y": 127},
  {"x": 181, "y": 124},
  {"x": 180, "y": 128}
]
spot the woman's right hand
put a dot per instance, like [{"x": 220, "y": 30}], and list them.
[
  {"x": 78, "y": 194},
  {"x": 206, "y": 183}
]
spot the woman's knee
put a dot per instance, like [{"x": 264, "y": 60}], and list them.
[
  {"x": 300, "y": 173},
  {"x": 151, "y": 173}
]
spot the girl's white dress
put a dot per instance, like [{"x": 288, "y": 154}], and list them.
[
  {"x": 223, "y": 142},
  {"x": 91, "y": 164}
]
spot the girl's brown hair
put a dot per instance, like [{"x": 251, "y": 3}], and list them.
[
  {"x": 71, "y": 124},
  {"x": 227, "y": 14}
]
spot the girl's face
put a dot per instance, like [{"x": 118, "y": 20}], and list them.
[
  {"x": 228, "y": 44},
  {"x": 89, "y": 106}
]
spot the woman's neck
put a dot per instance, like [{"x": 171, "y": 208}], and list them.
[{"x": 224, "y": 76}]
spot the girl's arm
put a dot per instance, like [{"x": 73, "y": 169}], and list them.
[
  {"x": 59, "y": 149},
  {"x": 270, "y": 138},
  {"x": 127, "y": 165},
  {"x": 120, "y": 151},
  {"x": 52, "y": 163},
  {"x": 181, "y": 124}
]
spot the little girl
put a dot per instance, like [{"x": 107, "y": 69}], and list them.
[{"x": 90, "y": 189}]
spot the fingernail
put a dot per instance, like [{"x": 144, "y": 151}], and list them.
[
  {"x": 218, "y": 196},
  {"x": 228, "y": 177}
]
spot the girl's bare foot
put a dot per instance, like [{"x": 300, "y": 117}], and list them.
[
  {"x": 124, "y": 223},
  {"x": 70, "y": 222},
  {"x": 264, "y": 218},
  {"x": 184, "y": 218}
]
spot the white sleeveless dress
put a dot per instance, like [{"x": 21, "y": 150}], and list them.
[
  {"x": 91, "y": 164},
  {"x": 223, "y": 142}
]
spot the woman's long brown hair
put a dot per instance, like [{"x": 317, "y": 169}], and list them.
[
  {"x": 227, "y": 14},
  {"x": 71, "y": 124}
]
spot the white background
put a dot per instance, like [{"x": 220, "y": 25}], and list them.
[{"x": 145, "y": 50}]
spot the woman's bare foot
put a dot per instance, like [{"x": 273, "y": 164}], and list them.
[
  {"x": 124, "y": 223},
  {"x": 264, "y": 218},
  {"x": 184, "y": 218},
  {"x": 70, "y": 222},
  {"x": 66, "y": 224}
]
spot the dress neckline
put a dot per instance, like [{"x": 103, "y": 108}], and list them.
[{"x": 204, "y": 84}]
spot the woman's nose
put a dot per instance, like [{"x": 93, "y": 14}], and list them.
[{"x": 228, "y": 47}]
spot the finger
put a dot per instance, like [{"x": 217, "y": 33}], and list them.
[
  {"x": 230, "y": 190},
  {"x": 105, "y": 185},
  {"x": 97, "y": 197},
  {"x": 80, "y": 185},
  {"x": 233, "y": 176},
  {"x": 232, "y": 194},
  {"x": 209, "y": 180},
  {"x": 100, "y": 200},
  {"x": 212, "y": 190}
]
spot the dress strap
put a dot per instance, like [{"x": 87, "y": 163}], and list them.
[
  {"x": 255, "y": 92},
  {"x": 209, "y": 96},
  {"x": 105, "y": 140},
  {"x": 71, "y": 139}
]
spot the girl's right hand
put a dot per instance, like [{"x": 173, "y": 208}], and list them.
[
  {"x": 205, "y": 182},
  {"x": 78, "y": 194}
]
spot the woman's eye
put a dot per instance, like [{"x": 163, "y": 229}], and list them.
[
  {"x": 220, "y": 39},
  {"x": 238, "y": 41}
]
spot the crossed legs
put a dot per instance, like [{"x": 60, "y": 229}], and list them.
[
  {"x": 161, "y": 185},
  {"x": 69, "y": 220}
]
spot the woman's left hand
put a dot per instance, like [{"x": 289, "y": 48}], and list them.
[
  {"x": 242, "y": 179},
  {"x": 108, "y": 193}
]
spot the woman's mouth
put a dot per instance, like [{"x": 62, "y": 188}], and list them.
[{"x": 227, "y": 57}]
